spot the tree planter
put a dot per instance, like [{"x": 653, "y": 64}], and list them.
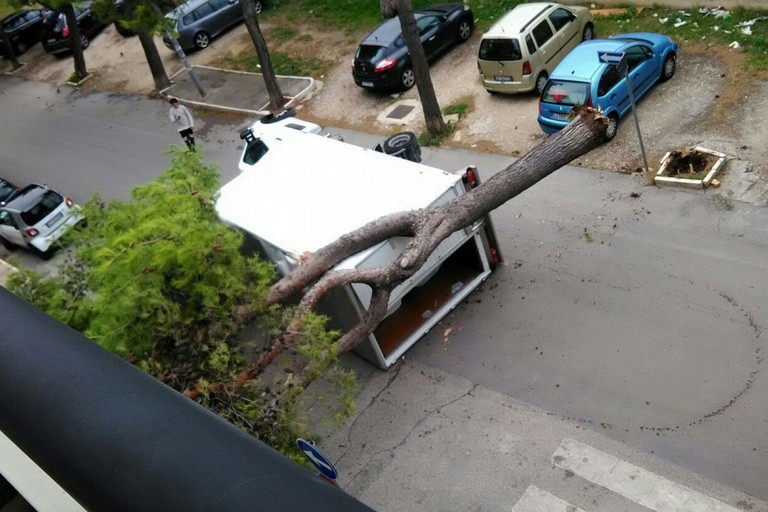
[{"x": 692, "y": 168}]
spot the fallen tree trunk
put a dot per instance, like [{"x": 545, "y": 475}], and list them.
[{"x": 426, "y": 228}]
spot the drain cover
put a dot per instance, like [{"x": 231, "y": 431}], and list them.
[{"x": 400, "y": 111}]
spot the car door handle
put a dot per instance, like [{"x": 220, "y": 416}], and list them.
[
  {"x": 431, "y": 38},
  {"x": 613, "y": 96}
]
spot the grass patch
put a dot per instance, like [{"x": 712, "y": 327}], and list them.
[
  {"x": 425, "y": 139},
  {"x": 695, "y": 27},
  {"x": 281, "y": 34},
  {"x": 282, "y": 63},
  {"x": 462, "y": 107}
]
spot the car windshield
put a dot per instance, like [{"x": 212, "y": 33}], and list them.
[
  {"x": 48, "y": 202},
  {"x": 6, "y": 189},
  {"x": 369, "y": 53},
  {"x": 500, "y": 49},
  {"x": 564, "y": 92}
]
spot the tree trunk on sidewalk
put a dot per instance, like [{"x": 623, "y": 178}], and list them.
[
  {"x": 153, "y": 60},
  {"x": 427, "y": 228},
  {"x": 74, "y": 41},
  {"x": 403, "y": 9},
  {"x": 10, "y": 51},
  {"x": 276, "y": 99}
]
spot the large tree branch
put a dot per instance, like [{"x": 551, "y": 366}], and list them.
[{"x": 430, "y": 226}]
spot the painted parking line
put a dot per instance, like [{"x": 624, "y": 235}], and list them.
[
  {"x": 538, "y": 500},
  {"x": 637, "y": 484}
]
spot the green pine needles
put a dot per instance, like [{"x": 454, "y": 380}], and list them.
[{"x": 160, "y": 281}]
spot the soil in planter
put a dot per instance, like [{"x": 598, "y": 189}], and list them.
[{"x": 689, "y": 164}]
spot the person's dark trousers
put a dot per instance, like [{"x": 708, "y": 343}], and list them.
[{"x": 188, "y": 136}]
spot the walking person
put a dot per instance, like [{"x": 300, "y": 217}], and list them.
[{"x": 181, "y": 117}]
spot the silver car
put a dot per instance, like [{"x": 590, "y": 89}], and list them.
[
  {"x": 36, "y": 218},
  {"x": 197, "y": 21}
]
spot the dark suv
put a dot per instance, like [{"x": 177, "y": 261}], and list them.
[
  {"x": 24, "y": 28},
  {"x": 56, "y": 38}
]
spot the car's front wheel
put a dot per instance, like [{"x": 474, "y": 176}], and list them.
[
  {"x": 202, "y": 40},
  {"x": 465, "y": 30},
  {"x": 541, "y": 82},
  {"x": 669, "y": 66},
  {"x": 588, "y": 32},
  {"x": 20, "y": 47},
  {"x": 84, "y": 42},
  {"x": 407, "y": 78},
  {"x": 258, "y": 7},
  {"x": 613, "y": 126}
]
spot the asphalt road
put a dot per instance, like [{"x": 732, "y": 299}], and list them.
[{"x": 640, "y": 318}]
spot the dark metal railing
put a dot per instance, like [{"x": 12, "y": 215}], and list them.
[{"x": 116, "y": 439}]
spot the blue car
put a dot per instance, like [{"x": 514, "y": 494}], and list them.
[{"x": 582, "y": 79}]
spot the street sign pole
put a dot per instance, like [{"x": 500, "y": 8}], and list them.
[
  {"x": 619, "y": 60},
  {"x": 634, "y": 116}
]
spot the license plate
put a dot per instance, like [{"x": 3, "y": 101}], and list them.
[
  {"x": 54, "y": 220},
  {"x": 51, "y": 40},
  {"x": 559, "y": 115},
  {"x": 366, "y": 84},
  {"x": 500, "y": 78}
]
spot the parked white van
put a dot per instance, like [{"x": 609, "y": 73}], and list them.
[{"x": 519, "y": 51}]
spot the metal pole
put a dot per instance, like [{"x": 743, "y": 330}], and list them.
[
  {"x": 183, "y": 57},
  {"x": 634, "y": 115}
]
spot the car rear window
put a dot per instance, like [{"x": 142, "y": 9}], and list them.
[
  {"x": 48, "y": 202},
  {"x": 500, "y": 49},
  {"x": 369, "y": 53},
  {"x": 564, "y": 92}
]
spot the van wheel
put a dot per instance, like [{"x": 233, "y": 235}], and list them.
[
  {"x": 613, "y": 126},
  {"x": 407, "y": 78},
  {"x": 465, "y": 30},
  {"x": 84, "y": 42},
  {"x": 258, "y": 7},
  {"x": 20, "y": 47},
  {"x": 202, "y": 40},
  {"x": 541, "y": 82},
  {"x": 588, "y": 33},
  {"x": 668, "y": 68}
]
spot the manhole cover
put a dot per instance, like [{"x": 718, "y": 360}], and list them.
[{"x": 400, "y": 111}]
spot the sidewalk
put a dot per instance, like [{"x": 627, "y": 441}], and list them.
[{"x": 233, "y": 91}]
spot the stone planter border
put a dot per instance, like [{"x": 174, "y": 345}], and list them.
[{"x": 661, "y": 180}]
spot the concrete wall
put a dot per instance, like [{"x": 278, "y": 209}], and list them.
[{"x": 680, "y": 4}]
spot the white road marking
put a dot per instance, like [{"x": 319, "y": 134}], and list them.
[
  {"x": 537, "y": 500},
  {"x": 639, "y": 485}
]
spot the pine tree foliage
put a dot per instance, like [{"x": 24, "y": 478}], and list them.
[{"x": 160, "y": 281}]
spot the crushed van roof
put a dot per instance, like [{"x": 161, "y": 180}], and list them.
[{"x": 309, "y": 190}]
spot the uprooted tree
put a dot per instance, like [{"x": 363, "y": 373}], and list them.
[
  {"x": 161, "y": 281},
  {"x": 426, "y": 228}
]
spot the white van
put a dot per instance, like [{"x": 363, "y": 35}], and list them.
[
  {"x": 521, "y": 49},
  {"x": 299, "y": 191}
]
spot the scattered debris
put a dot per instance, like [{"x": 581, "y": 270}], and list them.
[
  {"x": 717, "y": 12},
  {"x": 714, "y": 183},
  {"x": 680, "y": 23},
  {"x": 663, "y": 20},
  {"x": 734, "y": 45},
  {"x": 635, "y": 195}
]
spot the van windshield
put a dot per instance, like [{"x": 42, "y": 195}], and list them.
[{"x": 500, "y": 49}]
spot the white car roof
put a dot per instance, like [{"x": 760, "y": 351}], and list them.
[{"x": 309, "y": 190}]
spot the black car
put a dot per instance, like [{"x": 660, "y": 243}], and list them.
[
  {"x": 7, "y": 191},
  {"x": 56, "y": 39},
  {"x": 24, "y": 29},
  {"x": 382, "y": 61}
]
